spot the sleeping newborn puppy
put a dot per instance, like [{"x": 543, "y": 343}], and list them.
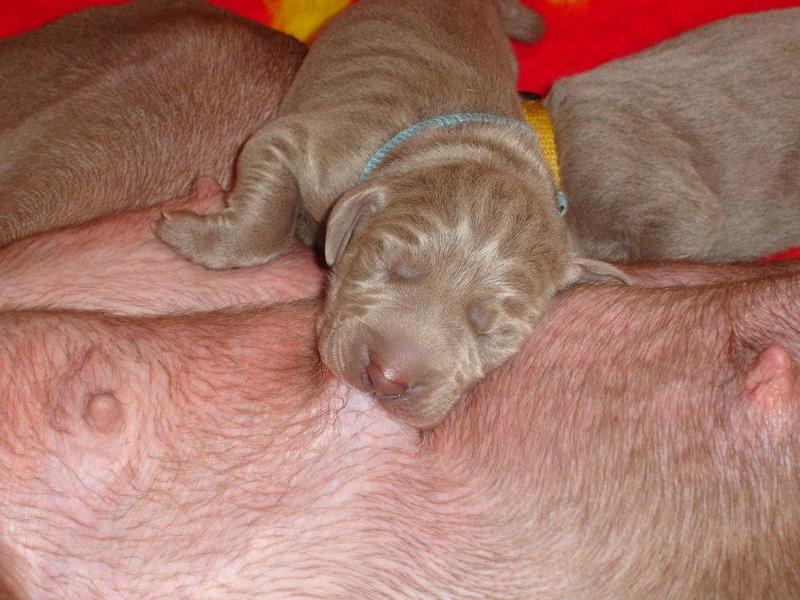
[
  {"x": 432, "y": 295},
  {"x": 688, "y": 150},
  {"x": 402, "y": 131}
]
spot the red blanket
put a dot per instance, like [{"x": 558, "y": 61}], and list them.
[{"x": 581, "y": 33}]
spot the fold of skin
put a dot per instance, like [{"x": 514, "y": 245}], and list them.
[
  {"x": 117, "y": 265},
  {"x": 209, "y": 455}
]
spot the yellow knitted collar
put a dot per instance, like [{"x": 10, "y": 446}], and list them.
[{"x": 537, "y": 117}]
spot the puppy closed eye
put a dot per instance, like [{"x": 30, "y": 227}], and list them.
[{"x": 482, "y": 316}]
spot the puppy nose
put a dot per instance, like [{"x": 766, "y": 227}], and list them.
[{"x": 385, "y": 381}]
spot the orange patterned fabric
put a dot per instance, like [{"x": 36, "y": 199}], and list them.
[{"x": 580, "y": 33}]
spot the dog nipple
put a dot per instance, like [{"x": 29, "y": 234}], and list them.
[
  {"x": 102, "y": 411},
  {"x": 770, "y": 391}
]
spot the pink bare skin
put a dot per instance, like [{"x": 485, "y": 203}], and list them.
[
  {"x": 37, "y": 272},
  {"x": 643, "y": 445}
]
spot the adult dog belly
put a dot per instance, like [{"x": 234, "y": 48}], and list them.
[
  {"x": 209, "y": 455},
  {"x": 117, "y": 265}
]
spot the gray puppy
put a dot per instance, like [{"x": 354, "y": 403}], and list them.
[
  {"x": 451, "y": 244},
  {"x": 689, "y": 150},
  {"x": 91, "y": 125}
]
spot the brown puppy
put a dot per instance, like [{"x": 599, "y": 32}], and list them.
[
  {"x": 689, "y": 150},
  {"x": 117, "y": 99},
  {"x": 444, "y": 256}
]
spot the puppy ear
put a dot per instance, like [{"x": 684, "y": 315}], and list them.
[
  {"x": 589, "y": 270},
  {"x": 345, "y": 215}
]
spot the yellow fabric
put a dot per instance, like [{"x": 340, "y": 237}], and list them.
[
  {"x": 302, "y": 18},
  {"x": 537, "y": 117}
]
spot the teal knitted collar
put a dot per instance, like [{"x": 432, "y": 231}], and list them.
[{"x": 446, "y": 122}]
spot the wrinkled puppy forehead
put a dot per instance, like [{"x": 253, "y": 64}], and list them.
[
  {"x": 426, "y": 245},
  {"x": 456, "y": 233},
  {"x": 465, "y": 240},
  {"x": 481, "y": 205}
]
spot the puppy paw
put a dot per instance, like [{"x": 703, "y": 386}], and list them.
[
  {"x": 218, "y": 241},
  {"x": 199, "y": 239},
  {"x": 521, "y": 22},
  {"x": 528, "y": 28}
]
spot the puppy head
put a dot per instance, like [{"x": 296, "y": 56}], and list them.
[{"x": 438, "y": 279}]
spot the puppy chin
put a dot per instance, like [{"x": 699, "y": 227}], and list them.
[{"x": 423, "y": 411}]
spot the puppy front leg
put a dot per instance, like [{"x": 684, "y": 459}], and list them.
[{"x": 258, "y": 222}]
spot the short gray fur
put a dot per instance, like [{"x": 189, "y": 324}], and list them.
[{"x": 689, "y": 150}]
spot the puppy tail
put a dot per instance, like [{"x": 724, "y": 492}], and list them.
[{"x": 521, "y": 22}]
